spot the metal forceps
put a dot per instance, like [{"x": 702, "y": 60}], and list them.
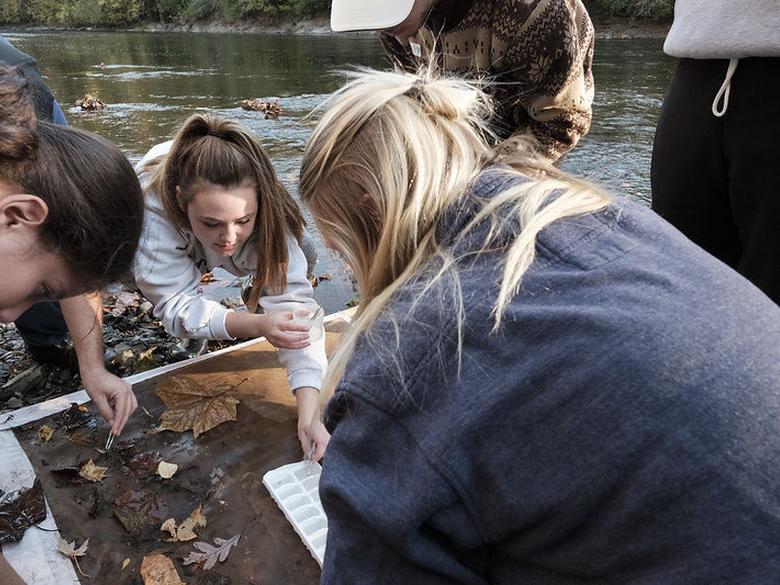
[{"x": 311, "y": 458}]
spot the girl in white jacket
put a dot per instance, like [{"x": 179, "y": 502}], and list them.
[{"x": 212, "y": 199}]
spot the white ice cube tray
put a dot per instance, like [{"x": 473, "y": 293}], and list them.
[{"x": 295, "y": 489}]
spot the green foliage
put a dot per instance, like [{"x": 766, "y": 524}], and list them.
[
  {"x": 10, "y": 11},
  {"x": 639, "y": 8}
]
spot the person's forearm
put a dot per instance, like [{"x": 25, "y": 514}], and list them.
[
  {"x": 308, "y": 400},
  {"x": 242, "y": 325},
  {"x": 84, "y": 316}
]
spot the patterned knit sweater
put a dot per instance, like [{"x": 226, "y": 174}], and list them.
[{"x": 538, "y": 53}]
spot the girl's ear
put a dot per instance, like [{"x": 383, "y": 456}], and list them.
[{"x": 22, "y": 209}]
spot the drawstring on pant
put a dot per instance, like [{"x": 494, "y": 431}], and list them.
[{"x": 724, "y": 91}]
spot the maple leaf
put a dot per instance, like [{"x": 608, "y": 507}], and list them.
[
  {"x": 69, "y": 550},
  {"x": 158, "y": 569},
  {"x": 92, "y": 472},
  {"x": 210, "y": 553},
  {"x": 191, "y": 405},
  {"x": 186, "y": 530}
]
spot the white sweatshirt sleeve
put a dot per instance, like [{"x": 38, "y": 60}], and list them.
[{"x": 305, "y": 367}]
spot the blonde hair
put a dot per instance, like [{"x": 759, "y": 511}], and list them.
[
  {"x": 210, "y": 149},
  {"x": 392, "y": 152}
]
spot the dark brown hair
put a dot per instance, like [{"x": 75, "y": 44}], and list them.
[
  {"x": 95, "y": 202},
  {"x": 18, "y": 138},
  {"x": 210, "y": 149}
]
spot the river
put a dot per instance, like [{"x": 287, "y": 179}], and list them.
[{"x": 153, "y": 81}]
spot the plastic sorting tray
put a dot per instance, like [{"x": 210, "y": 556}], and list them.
[{"x": 295, "y": 488}]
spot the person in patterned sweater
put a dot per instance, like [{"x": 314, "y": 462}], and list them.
[{"x": 537, "y": 53}]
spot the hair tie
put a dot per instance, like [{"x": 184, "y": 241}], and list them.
[
  {"x": 216, "y": 134},
  {"x": 415, "y": 91}
]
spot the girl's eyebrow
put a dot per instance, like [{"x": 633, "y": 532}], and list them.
[{"x": 206, "y": 218}]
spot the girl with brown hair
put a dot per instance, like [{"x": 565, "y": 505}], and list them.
[
  {"x": 213, "y": 200},
  {"x": 71, "y": 212}
]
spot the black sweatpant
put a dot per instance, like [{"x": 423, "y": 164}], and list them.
[
  {"x": 42, "y": 325},
  {"x": 718, "y": 179}
]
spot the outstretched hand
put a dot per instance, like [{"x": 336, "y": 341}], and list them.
[
  {"x": 282, "y": 332},
  {"x": 312, "y": 433},
  {"x": 113, "y": 398}
]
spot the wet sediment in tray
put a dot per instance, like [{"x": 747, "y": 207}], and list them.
[{"x": 219, "y": 475}]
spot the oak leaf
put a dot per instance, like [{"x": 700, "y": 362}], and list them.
[
  {"x": 210, "y": 554},
  {"x": 69, "y": 550},
  {"x": 92, "y": 472},
  {"x": 191, "y": 405},
  {"x": 158, "y": 569}
]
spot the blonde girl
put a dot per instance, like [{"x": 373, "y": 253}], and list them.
[
  {"x": 544, "y": 384},
  {"x": 213, "y": 200}
]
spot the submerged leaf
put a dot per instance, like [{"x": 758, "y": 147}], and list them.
[
  {"x": 166, "y": 470},
  {"x": 186, "y": 530},
  {"x": 45, "y": 433},
  {"x": 210, "y": 554},
  {"x": 92, "y": 472},
  {"x": 191, "y": 405},
  {"x": 158, "y": 569},
  {"x": 137, "y": 510}
]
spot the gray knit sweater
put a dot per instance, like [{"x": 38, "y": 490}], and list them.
[{"x": 724, "y": 29}]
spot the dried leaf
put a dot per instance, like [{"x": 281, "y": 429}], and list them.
[
  {"x": 186, "y": 530},
  {"x": 166, "y": 470},
  {"x": 146, "y": 361},
  {"x": 158, "y": 569},
  {"x": 210, "y": 554},
  {"x": 125, "y": 563},
  {"x": 45, "y": 433},
  {"x": 69, "y": 550},
  {"x": 19, "y": 514},
  {"x": 137, "y": 510},
  {"x": 191, "y": 405},
  {"x": 92, "y": 472}
]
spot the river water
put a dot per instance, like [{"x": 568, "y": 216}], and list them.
[{"x": 153, "y": 81}]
